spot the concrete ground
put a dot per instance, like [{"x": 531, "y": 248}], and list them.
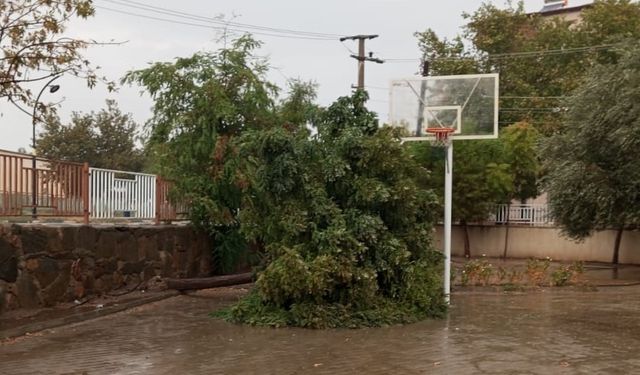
[{"x": 552, "y": 331}]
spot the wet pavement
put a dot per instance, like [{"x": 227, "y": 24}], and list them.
[{"x": 559, "y": 331}]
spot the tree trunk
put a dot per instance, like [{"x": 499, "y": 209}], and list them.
[
  {"x": 616, "y": 246},
  {"x": 467, "y": 246},
  {"x": 506, "y": 232},
  {"x": 209, "y": 282}
]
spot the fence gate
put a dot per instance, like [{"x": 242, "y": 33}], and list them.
[{"x": 119, "y": 194}]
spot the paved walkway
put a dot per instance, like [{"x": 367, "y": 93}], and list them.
[{"x": 547, "y": 332}]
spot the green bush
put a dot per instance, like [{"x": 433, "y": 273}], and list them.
[{"x": 345, "y": 223}]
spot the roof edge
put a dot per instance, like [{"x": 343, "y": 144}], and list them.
[{"x": 563, "y": 10}]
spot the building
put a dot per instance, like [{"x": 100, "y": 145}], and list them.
[{"x": 562, "y": 9}]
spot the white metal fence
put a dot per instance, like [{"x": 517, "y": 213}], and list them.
[
  {"x": 119, "y": 194},
  {"x": 528, "y": 214}
]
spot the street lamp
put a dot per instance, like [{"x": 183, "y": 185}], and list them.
[{"x": 34, "y": 120}]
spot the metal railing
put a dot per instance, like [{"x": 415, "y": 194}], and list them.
[
  {"x": 64, "y": 189},
  {"x": 119, "y": 194},
  {"x": 526, "y": 214},
  {"x": 58, "y": 189},
  {"x": 166, "y": 208}
]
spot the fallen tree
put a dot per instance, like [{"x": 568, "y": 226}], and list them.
[{"x": 210, "y": 282}]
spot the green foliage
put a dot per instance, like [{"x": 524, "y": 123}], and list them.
[
  {"x": 561, "y": 276},
  {"x": 520, "y": 145},
  {"x": 531, "y": 84},
  {"x": 436, "y": 51},
  {"x": 593, "y": 169},
  {"x": 477, "y": 271},
  {"x": 481, "y": 176},
  {"x": 201, "y": 104},
  {"x": 345, "y": 225},
  {"x": 106, "y": 139},
  {"x": 537, "y": 270},
  {"x": 298, "y": 108},
  {"x": 567, "y": 274}
]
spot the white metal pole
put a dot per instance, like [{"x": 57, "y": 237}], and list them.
[{"x": 448, "y": 191}]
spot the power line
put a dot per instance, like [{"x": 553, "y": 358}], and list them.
[
  {"x": 279, "y": 70},
  {"x": 501, "y": 97},
  {"x": 556, "y": 51},
  {"x": 347, "y": 48},
  {"x": 530, "y": 121},
  {"x": 532, "y": 109},
  {"x": 534, "y": 97},
  {"x": 376, "y": 87},
  {"x": 226, "y": 24},
  {"x": 206, "y": 26},
  {"x": 498, "y": 56}
]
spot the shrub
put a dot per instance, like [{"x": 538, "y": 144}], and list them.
[
  {"x": 537, "y": 270},
  {"x": 345, "y": 223}
]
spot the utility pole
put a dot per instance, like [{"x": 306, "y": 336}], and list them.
[
  {"x": 361, "y": 56},
  {"x": 423, "y": 91}
]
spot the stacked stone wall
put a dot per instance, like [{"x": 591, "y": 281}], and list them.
[{"x": 41, "y": 265}]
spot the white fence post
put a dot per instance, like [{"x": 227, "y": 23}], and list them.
[{"x": 121, "y": 194}]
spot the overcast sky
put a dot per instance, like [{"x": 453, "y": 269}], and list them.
[{"x": 327, "y": 61}]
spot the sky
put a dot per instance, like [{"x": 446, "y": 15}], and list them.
[{"x": 326, "y": 62}]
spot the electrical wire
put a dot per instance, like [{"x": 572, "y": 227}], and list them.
[
  {"x": 347, "y": 48},
  {"x": 531, "y": 109},
  {"x": 499, "y": 56},
  {"x": 533, "y": 97},
  {"x": 211, "y": 27},
  {"x": 376, "y": 87},
  {"x": 501, "y": 97},
  {"x": 279, "y": 70},
  {"x": 263, "y": 30}
]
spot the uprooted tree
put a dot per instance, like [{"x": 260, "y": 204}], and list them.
[
  {"x": 202, "y": 102},
  {"x": 592, "y": 166},
  {"x": 344, "y": 222},
  {"x": 338, "y": 220}
]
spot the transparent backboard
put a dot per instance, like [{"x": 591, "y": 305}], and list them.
[{"x": 467, "y": 103}]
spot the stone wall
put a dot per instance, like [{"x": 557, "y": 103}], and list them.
[{"x": 41, "y": 265}]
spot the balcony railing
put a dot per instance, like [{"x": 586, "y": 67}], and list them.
[
  {"x": 525, "y": 214},
  {"x": 63, "y": 189}
]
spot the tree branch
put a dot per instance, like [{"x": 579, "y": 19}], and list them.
[{"x": 19, "y": 107}]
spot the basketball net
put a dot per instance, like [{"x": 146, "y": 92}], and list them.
[{"x": 442, "y": 136}]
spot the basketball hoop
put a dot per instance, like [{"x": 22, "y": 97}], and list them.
[{"x": 442, "y": 136}]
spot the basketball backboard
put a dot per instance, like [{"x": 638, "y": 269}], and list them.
[{"x": 467, "y": 103}]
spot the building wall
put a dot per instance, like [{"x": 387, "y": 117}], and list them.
[
  {"x": 41, "y": 265},
  {"x": 571, "y": 14},
  {"x": 541, "y": 242}
]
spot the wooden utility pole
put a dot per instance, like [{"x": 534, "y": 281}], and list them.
[{"x": 361, "y": 56}]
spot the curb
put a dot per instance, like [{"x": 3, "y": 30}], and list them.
[{"x": 83, "y": 316}]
